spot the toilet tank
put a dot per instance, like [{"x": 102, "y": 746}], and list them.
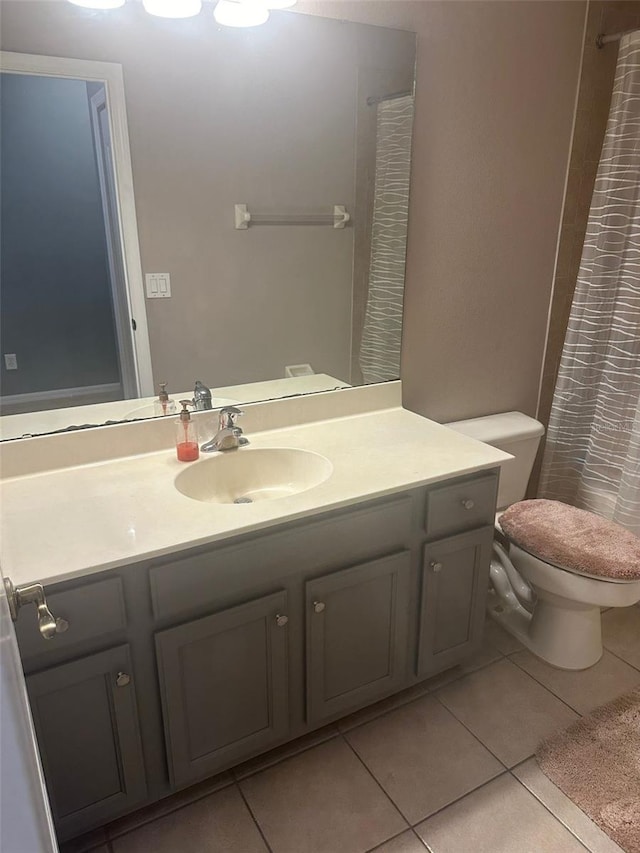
[{"x": 514, "y": 433}]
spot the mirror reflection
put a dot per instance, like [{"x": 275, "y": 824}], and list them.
[{"x": 270, "y": 173}]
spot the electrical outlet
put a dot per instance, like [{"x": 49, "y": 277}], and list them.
[
  {"x": 11, "y": 361},
  {"x": 298, "y": 370}
]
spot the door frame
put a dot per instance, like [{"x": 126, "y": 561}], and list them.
[
  {"x": 110, "y": 75},
  {"x": 26, "y": 822},
  {"x": 108, "y": 196}
]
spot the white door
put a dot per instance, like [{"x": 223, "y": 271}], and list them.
[{"x": 25, "y": 818}]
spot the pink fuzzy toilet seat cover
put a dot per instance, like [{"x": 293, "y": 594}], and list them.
[{"x": 573, "y": 539}]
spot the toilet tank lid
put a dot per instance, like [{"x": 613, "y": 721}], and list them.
[{"x": 507, "y": 426}]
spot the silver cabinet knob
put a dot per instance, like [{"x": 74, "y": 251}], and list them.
[
  {"x": 318, "y": 606},
  {"x": 435, "y": 567},
  {"x": 122, "y": 679},
  {"x": 281, "y": 621},
  {"x": 468, "y": 503}
]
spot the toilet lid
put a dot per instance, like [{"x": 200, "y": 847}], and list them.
[{"x": 573, "y": 539}]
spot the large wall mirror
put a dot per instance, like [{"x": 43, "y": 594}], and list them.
[{"x": 183, "y": 201}]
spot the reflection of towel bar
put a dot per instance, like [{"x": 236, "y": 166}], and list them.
[{"x": 338, "y": 219}]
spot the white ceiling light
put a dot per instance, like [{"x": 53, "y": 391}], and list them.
[
  {"x": 98, "y": 4},
  {"x": 173, "y": 8},
  {"x": 241, "y": 13}
]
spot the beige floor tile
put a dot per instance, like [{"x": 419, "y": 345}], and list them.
[
  {"x": 621, "y": 633},
  {"x": 506, "y": 709},
  {"x": 408, "y": 842},
  {"x": 383, "y": 707},
  {"x": 501, "y": 817},
  {"x": 220, "y": 822},
  {"x": 321, "y": 801},
  {"x": 423, "y": 757},
  {"x": 501, "y": 639},
  {"x": 487, "y": 654},
  {"x": 586, "y": 689},
  {"x": 168, "y": 804},
  {"x": 566, "y": 811},
  {"x": 287, "y": 750}
]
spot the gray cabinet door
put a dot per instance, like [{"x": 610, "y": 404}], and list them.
[
  {"x": 356, "y": 635},
  {"x": 454, "y": 590},
  {"x": 89, "y": 739},
  {"x": 224, "y": 688}
]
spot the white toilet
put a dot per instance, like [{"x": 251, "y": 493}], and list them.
[{"x": 553, "y": 611}]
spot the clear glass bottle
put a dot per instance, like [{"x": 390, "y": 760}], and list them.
[
  {"x": 187, "y": 446},
  {"x": 164, "y": 405}
]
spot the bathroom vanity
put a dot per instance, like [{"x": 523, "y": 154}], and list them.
[{"x": 201, "y": 634}]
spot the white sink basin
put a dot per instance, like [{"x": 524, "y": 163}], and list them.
[{"x": 250, "y": 474}]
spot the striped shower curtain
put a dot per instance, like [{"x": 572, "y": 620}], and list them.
[
  {"x": 592, "y": 456},
  {"x": 382, "y": 332}
]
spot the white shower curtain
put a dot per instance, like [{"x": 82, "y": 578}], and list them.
[
  {"x": 382, "y": 332},
  {"x": 592, "y": 456}
]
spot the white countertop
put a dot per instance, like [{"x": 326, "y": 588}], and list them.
[{"x": 75, "y": 521}]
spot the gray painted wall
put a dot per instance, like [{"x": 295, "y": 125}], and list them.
[
  {"x": 56, "y": 312},
  {"x": 496, "y": 87}
]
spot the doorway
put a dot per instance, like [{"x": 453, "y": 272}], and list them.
[{"x": 70, "y": 331}]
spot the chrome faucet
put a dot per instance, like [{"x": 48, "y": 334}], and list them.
[
  {"x": 229, "y": 436},
  {"x": 201, "y": 397}
]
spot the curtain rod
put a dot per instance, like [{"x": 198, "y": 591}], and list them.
[
  {"x": 602, "y": 39},
  {"x": 378, "y": 99}
]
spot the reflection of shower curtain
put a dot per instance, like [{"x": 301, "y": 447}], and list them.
[
  {"x": 382, "y": 333},
  {"x": 592, "y": 456}
]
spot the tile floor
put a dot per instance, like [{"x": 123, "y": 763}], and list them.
[{"x": 445, "y": 767}]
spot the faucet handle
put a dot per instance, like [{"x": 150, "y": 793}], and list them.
[{"x": 229, "y": 416}]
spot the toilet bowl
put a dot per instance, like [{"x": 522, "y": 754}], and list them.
[
  {"x": 552, "y": 610},
  {"x": 560, "y": 620}
]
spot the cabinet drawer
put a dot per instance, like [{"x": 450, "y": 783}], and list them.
[
  {"x": 93, "y": 610},
  {"x": 460, "y": 506},
  {"x": 202, "y": 581}
]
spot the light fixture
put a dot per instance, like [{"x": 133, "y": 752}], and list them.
[
  {"x": 229, "y": 13},
  {"x": 173, "y": 8},
  {"x": 241, "y": 13},
  {"x": 98, "y": 4}
]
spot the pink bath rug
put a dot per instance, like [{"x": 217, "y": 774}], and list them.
[{"x": 596, "y": 762}]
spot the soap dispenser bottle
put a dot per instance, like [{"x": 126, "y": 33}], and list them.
[
  {"x": 186, "y": 435},
  {"x": 164, "y": 405}
]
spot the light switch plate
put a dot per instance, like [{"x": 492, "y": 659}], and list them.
[
  {"x": 11, "y": 361},
  {"x": 158, "y": 285}
]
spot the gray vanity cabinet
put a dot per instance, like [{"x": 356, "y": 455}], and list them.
[
  {"x": 356, "y": 623},
  {"x": 223, "y": 682},
  {"x": 245, "y": 644},
  {"x": 455, "y": 574},
  {"x": 86, "y": 721}
]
